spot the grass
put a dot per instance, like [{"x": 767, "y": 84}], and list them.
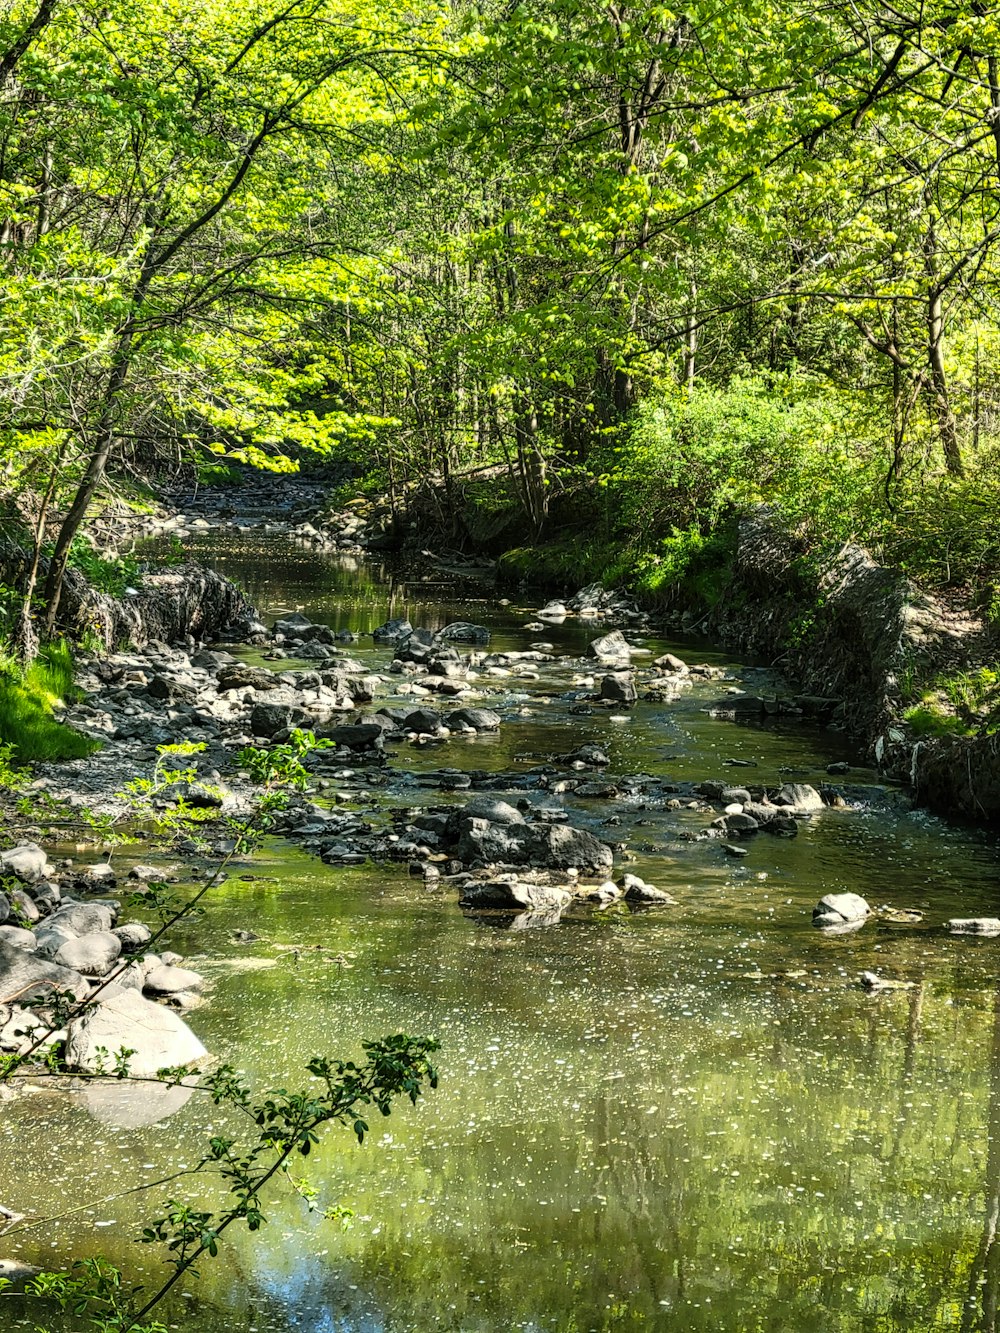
[{"x": 28, "y": 701}]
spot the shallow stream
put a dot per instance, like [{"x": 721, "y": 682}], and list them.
[{"x": 690, "y": 1118}]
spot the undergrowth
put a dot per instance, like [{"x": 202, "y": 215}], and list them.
[{"x": 28, "y": 701}]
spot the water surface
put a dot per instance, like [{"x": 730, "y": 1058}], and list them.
[{"x": 690, "y": 1118}]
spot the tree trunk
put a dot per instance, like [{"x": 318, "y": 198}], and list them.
[
  {"x": 104, "y": 437},
  {"x": 946, "y": 424}
]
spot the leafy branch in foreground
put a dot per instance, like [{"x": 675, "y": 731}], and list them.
[{"x": 287, "y": 1123}]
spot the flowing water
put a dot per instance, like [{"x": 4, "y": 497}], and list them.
[{"x": 684, "y": 1119}]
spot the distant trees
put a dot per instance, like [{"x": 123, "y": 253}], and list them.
[{"x": 480, "y": 235}]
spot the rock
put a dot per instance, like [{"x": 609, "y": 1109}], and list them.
[
  {"x": 871, "y": 981},
  {"x": 423, "y": 719},
  {"x": 613, "y": 645},
  {"x": 562, "y": 847},
  {"x": 19, "y": 938},
  {"x": 148, "y": 874},
  {"x": 359, "y": 735},
  {"x": 839, "y": 769},
  {"x": 553, "y": 611},
  {"x": 101, "y": 874},
  {"x": 550, "y": 846},
  {"x": 591, "y": 755},
  {"x": 240, "y": 676},
  {"x": 485, "y": 843},
  {"x": 25, "y": 976},
  {"x": 493, "y": 809},
  {"x": 27, "y": 861},
  {"x": 199, "y": 796},
  {"x": 134, "y": 935},
  {"x": 157, "y": 1038},
  {"x": 841, "y": 909},
  {"x": 732, "y": 850},
  {"x": 738, "y": 705},
  {"x": 974, "y": 925},
  {"x": 515, "y": 895},
  {"x": 81, "y": 918},
  {"x": 91, "y": 955},
  {"x": 668, "y": 662},
  {"x": 482, "y": 719},
  {"x": 294, "y": 626},
  {"x": 24, "y": 1028},
  {"x": 392, "y": 631},
  {"x": 23, "y": 905},
  {"x": 604, "y": 894},
  {"x": 740, "y": 824},
  {"x": 636, "y": 890},
  {"x": 168, "y": 979},
  {"x": 463, "y": 631},
  {"x": 799, "y": 797},
  {"x": 620, "y": 688},
  {"x": 737, "y": 795},
  {"x": 4, "y": 907},
  {"x": 268, "y": 719}
]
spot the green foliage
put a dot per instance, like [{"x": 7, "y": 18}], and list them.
[
  {"x": 218, "y": 474},
  {"x": 28, "y": 728},
  {"x": 108, "y": 573}
]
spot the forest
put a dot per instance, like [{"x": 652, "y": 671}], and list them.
[{"x": 609, "y": 272}]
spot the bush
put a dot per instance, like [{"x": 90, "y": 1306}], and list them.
[{"x": 107, "y": 573}]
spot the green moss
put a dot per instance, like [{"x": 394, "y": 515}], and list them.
[{"x": 927, "y": 719}]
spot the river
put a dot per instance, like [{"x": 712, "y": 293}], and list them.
[{"x": 690, "y": 1118}]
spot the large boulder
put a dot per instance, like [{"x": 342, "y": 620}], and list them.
[
  {"x": 168, "y": 979},
  {"x": 392, "y": 631},
  {"x": 515, "y": 895},
  {"x": 157, "y": 1038},
  {"x": 799, "y": 798},
  {"x": 493, "y": 809},
  {"x": 81, "y": 918},
  {"x": 358, "y": 736},
  {"x": 562, "y": 847},
  {"x": 25, "y": 976},
  {"x": 240, "y": 676},
  {"x": 294, "y": 626},
  {"x": 636, "y": 890},
  {"x": 463, "y": 631},
  {"x": 91, "y": 955},
  {"x": 485, "y": 843}
]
